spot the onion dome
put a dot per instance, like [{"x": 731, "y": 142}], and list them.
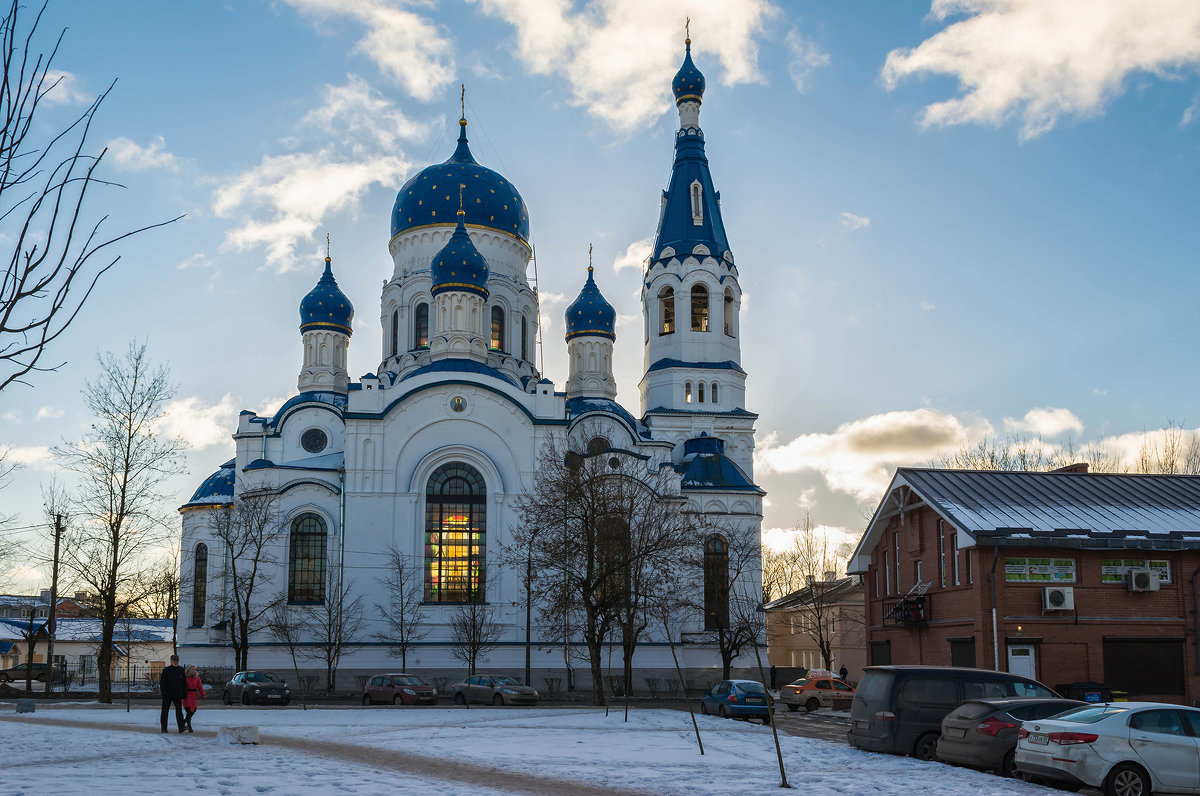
[
  {"x": 459, "y": 265},
  {"x": 217, "y": 489},
  {"x": 688, "y": 83},
  {"x": 590, "y": 314},
  {"x": 326, "y": 306},
  {"x": 490, "y": 201}
]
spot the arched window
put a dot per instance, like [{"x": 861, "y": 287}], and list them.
[
  {"x": 729, "y": 311},
  {"x": 700, "y": 392},
  {"x": 666, "y": 310},
  {"x": 597, "y": 445},
  {"x": 699, "y": 308},
  {"x": 714, "y": 392},
  {"x": 697, "y": 203},
  {"x": 199, "y": 584},
  {"x": 421, "y": 326},
  {"x": 497, "y": 328},
  {"x": 716, "y": 583},
  {"x": 455, "y": 535},
  {"x": 307, "y": 560},
  {"x": 614, "y": 582},
  {"x": 524, "y": 338},
  {"x": 687, "y": 392}
]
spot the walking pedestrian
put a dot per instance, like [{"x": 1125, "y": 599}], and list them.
[
  {"x": 192, "y": 695},
  {"x": 842, "y": 672},
  {"x": 171, "y": 685}
]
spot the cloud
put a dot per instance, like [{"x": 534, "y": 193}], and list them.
[
  {"x": 859, "y": 457},
  {"x": 354, "y": 141},
  {"x": 1044, "y": 59},
  {"x": 201, "y": 424},
  {"x": 853, "y": 222},
  {"x": 634, "y": 256},
  {"x": 406, "y": 46},
  {"x": 49, "y": 413},
  {"x": 199, "y": 260},
  {"x": 779, "y": 539},
  {"x": 65, "y": 89},
  {"x": 1046, "y": 422},
  {"x": 1191, "y": 113},
  {"x": 1100, "y": 391},
  {"x": 32, "y": 456},
  {"x": 618, "y": 56},
  {"x": 927, "y": 305},
  {"x": 804, "y": 58},
  {"x": 132, "y": 157}
]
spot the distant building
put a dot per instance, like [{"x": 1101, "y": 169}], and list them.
[
  {"x": 17, "y": 606},
  {"x": 834, "y": 604},
  {"x": 1060, "y": 576},
  {"x": 144, "y": 644}
]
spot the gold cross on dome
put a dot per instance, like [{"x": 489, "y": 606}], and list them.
[{"x": 687, "y": 29}]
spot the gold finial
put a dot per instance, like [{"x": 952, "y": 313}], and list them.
[
  {"x": 687, "y": 30},
  {"x": 462, "y": 99},
  {"x": 589, "y": 258},
  {"x": 461, "y": 212},
  {"x": 327, "y": 258}
]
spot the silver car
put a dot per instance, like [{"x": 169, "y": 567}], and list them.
[{"x": 493, "y": 689}]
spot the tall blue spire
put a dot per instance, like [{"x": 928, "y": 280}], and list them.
[
  {"x": 326, "y": 306},
  {"x": 590, "y": 313}
]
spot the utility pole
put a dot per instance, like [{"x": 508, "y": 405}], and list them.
[{"x": 53, "y": 621}]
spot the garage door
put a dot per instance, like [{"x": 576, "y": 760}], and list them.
[{"x": 1133, "y": 664}]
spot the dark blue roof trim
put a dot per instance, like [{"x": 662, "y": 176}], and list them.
[
  {"x": 537, "y": 421},
  {"x": 307, "y": 482},
  {"x": 713, "y": 472},
  {"x": 461, "y": 366},
  {"x": 333, "y": 401},
  {"x": 217, "y": 489},
  {"x": 662, "y": 410},
  {"x": 663, "y": 364},
  {"x": 326, "y": 306},
  {"x": 590, "y": 313},
  {"x": 577, "y": 407}
]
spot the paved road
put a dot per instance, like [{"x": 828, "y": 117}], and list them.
[{"x": 812, "y": 725}]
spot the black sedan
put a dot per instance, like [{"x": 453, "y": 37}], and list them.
[
  {"x": 982, "y": 733},
  {"x": 256, "y": 687}
]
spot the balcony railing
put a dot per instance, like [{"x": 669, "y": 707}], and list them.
[{"x": 912, "y": 610}]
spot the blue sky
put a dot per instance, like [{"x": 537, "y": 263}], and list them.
[{"x": 950, "y": 220}]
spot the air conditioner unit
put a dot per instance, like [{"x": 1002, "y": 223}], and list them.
[
  {"x": 1058, "y": 598},
  {"x": 1142, "y": 579}
]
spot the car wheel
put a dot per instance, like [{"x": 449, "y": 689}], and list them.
[
  {"x": 366, "y": 699},
  {"x": 767, "y": 720},
  {"x": 397, "y": 700},
  {"x": 1008, "y": 766},
  {"x": 497, "y": 700},
  {"x": 459, "y": 699},
  {"x": 245, "y": 698},
  {"x": 1127, "y": 780},
  {"x": 227, "y": 699},
  {"x": 723, "y": 713},
  {"x": 926, "y": 747},
  {"x": 703, "y": 709},
  {"x": 812, "y": 704},
  {"x": 3, "y": 677},
  {"x": 793, "y": 707}
]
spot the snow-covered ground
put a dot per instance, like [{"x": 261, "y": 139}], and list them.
[{"x": 377, "y": 748}]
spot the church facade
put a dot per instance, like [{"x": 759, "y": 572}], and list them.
[{"x": 429, "y": 454}]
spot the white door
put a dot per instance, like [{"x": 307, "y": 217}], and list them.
[
  {"x": 1021, "y": 661},
  {"x": 1159, "y": 739}
]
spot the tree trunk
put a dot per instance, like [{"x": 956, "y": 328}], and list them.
[{"x": 104, "y": 657}]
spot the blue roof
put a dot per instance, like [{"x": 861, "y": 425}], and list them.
[
  {"x": 688, "y": 83},
  {"x": 326, "y": 306},
  {"x": 590, "y": 313},
  {"x": 581, "y": 406},
  {"x": 460, "y": 366},
  {"x": 459, "y": 265},
  {"x": 217, "y": 489},
  {"x": 664, "y": 363},
  {"x": 334, "y": 399},
  {"x": 431, "y": 197},
  {"x": 706, "y": 467}
]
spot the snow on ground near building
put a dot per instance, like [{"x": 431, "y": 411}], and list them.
[{"x": 655, "y": 752}]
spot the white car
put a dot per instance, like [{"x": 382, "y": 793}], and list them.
[{"x": 1124, "y": 748}]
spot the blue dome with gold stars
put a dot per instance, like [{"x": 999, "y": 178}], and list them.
[
  {"x": 431, "y": 197},
  {"x": 590, "y": 314},
  {"x": 326, "y": 306},
  {"x": 688, "y": 83},
  {"x": 459, "y": 265}
]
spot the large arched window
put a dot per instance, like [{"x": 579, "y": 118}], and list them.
[
  {"x": 687, "y": 392},
  {"x": 729, "y": 311},
  {"x": 524, "y": 339},
  {"x": 421, "y": 326},
  {"x": 699, "y": 308},
  {"x": 713, "y": 397},
  {"x": 614, "y": 582},
  {"x": 666, "y": 311},
  {"x": 700, "y": 392},
  {"x": 498, "y": 329},
  {"x": 199, "y": 584},
  {"x": 455, "y": 535},
  {"x": 395, "y": 332},
  {"x": 307, "y": 560},
  {"x": 716, "y": 583}
]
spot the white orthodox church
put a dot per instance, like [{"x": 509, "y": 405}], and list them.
[{"x": 429, "y": 454}]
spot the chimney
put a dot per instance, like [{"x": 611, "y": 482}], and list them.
[
  {"x": 1079, "y": 467},
  {"x": 830, "y": 576},
  {"x": 44, "y": 595}
]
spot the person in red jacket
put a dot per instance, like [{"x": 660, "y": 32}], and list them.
[{"x": 193, "y": 693}]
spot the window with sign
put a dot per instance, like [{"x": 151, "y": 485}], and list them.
[
  {"x": 1116, "y": 570},
  {"x": 1039, "y": 570}
]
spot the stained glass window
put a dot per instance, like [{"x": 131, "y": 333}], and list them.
[
  {"x": 307, "y": 560},
  {"x": 199, "y": 584},
  {"x": 455, "y": 535}
]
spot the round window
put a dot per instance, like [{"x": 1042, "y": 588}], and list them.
[{"x": 314, "y": 440}]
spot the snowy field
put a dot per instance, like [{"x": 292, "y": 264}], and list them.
[{"x": 445, "y": 751}]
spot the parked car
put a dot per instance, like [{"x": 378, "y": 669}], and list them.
[
  {"x": 20, "y": 673},
  {"x": 982, "y": 733},
  {"x": 738, "y": 699},
  {"x": 255, "y": 686},
  {"x": 493, "y": 689},
  {"x": 899, "y": 709},
  {"x": 399, "y": 689},
  {"x": 1126, "y": 748},
  {"x": 813, "y": 693}
]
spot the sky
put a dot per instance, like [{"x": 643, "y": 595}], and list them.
[{"x": 951, "y": 220}]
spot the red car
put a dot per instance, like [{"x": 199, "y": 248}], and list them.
[{"x": 398, "y": 689}]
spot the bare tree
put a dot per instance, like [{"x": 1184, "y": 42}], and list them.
[
  {"x": 402, "y": 610},
  {"x": 474, "y": 632},
  {"x": 334, "y": 626},
  {"x": 250, "y": 531},
  {"x": 161, "y": 594},
  {"x": 31, "y": 629},
  {"x": 1170, "y": 450},
  {"x": 1027, "y": 454},
  {"x": 120, "y": 506},
  {"x": 289, "y": 630},
  {"x": 46, "y": 175}
]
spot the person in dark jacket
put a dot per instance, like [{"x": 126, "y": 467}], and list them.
[{"x": 171, "y": 685}]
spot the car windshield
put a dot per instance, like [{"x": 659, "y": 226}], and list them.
[
  {"x": 261, "y": 677},
  {"x": 1090, "y": 714},
  {"x": 801, "y": 683},
  {"x": 505, "y": 681},
  {"x": 751, "y": 688},
  {"x": 409, "y": 680}
]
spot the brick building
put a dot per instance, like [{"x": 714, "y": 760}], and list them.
[{"x": 1062, "y": 576}]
